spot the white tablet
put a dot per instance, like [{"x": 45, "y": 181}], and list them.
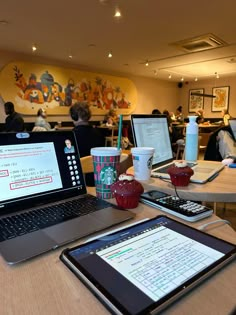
[{"x": 146, "y": 267}]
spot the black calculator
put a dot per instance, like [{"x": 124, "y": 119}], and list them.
[{"x": 184, "y": 209}]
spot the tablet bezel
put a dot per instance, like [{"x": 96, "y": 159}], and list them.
[{"x": 112, "y": 303}]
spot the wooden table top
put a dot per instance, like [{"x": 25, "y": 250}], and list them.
[
  {"x": 45, "y": 286},
  {"x": 221, "y": 189}
]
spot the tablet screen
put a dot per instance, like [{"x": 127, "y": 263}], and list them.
[{"x": 142, "y": 268}]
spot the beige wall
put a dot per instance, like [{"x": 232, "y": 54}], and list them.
[
  {"x": 208, "y": 85},
  {"x": 152, "y": 93}
]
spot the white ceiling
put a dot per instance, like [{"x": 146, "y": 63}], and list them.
[{"x": 87, "y": 30}]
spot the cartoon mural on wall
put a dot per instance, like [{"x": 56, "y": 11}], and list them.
[{"x": 31, "y": 86}]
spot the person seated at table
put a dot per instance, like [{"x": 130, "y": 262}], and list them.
[
  {"x": 156, "y": 112},
  {"x": 226, "y": 116},
  {"x": 221, "y": 145},
  {"x": 111, "y": 118},
  {"x": 179, "y": 114},
  {"x": 109, "y": 122},
  {"x": 41, "y": 121},
  {"x": 169, "y": 120},
  {"x": 200, "y": 116},
  {"x": 87, "y": 136},
  {"x": 172, "y": 116},
  {"x": 14, "y": 121}
]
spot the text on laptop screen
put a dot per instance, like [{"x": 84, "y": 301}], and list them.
[
  {"x": 39, "y": 166},
  {"x": 153, "y": 132},
  {"x": 27, "y": 169}
]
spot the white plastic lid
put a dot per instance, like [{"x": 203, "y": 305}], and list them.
[
  {"x": 105, "y": 151},
  {"x": 143, "y": 150}
]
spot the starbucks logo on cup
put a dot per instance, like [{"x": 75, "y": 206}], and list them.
[
  {"x": 149, "y": 163},
  {"x": 108, "y": 175}
]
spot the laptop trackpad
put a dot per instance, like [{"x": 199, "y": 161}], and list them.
[
  {"x": 27, "y": 246},
  {"x": 74, "y": 229}
]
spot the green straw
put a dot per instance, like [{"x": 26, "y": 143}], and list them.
[{"x": 119, "y": 132}]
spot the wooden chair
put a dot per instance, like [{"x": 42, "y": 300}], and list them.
[
  {"x": 180, "y": 154},
  {"x": 112, "y": 139},
  {"x": 87, "y": 163},
  {"x": 204, "y": 141}
]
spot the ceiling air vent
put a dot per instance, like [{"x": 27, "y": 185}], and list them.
[{"x": 200, "y": 43}]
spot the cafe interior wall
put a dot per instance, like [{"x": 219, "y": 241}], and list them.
[
  {"x": 208, "y": 85},
  {"x": 151, "y": 93}
]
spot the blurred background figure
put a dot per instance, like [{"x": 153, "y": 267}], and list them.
[
  {"x": 179, "y": 114},
  {"x": 169, "y": 120},
  {"x": 226, "y": 116},
  {"x": 13, "y": 121},
  {"x": 87, "y": 136},
  {"x": 41, "y": 121},
  {"x": 156, "y": 112},
  {"x": 200, "y": 116},
  {"x": 172, "y": 116},
  {"x": 111, "y": 118}
]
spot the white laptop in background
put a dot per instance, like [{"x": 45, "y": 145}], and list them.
[{"x": 153, "y": 131}]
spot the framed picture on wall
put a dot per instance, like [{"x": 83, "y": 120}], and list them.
[
  {"x": 196, "y": 101},
  {"x": 221, "y": 99}
]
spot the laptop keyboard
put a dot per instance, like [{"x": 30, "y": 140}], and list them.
[{"x": 34, "y": 220}]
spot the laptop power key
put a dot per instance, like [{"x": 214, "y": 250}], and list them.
[{"x": 185, "y": 209}]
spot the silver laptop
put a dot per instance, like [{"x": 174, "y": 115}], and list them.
[
  {"x": 43, "y": 200},
  {"x": 153, "y": 131}
]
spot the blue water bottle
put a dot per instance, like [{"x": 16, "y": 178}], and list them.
[{"x": 191, "y": 146}]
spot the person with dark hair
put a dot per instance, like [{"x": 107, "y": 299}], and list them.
[
  {"x": 156, "y": 112},
  {"x": 169, "y": 120},
  {"x": 41, "y": 120},
  {"x": 179, "y": 114},
  {"x": 87, "y": 136},
  {"x": 14, "y": 121}
]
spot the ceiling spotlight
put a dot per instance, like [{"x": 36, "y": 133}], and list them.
[
  {"x": 117, "y": 13},
  {"x": 169, "y": 76},
  {"x": 146, "y": 64},
  {"x": 182, "y": 79},
  {"x": 34, "y": 48},
  {"x": 70, "y": 56},
  {"x": 110, "y": 55},
  {"x": 217, "y": 75},
  {"x": 196, "y": 79}
]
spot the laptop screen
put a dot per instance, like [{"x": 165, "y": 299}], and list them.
[
  {"x": 152, "y": 131},
  {"x": 38, "y": 167}
]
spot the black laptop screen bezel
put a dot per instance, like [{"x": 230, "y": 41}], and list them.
[{"x": 67, "y": 190}]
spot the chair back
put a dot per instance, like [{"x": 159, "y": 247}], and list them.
[{"x": 87, "y": 162}]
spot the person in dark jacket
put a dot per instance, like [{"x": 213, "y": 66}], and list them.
[
  {"x": 87, "y": 136},
  {"x": 212, "y": 152},
  {"x": 14, "y": 121}
]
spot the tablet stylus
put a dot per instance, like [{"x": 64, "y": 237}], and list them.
[{"x": 115, "y": 230}]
